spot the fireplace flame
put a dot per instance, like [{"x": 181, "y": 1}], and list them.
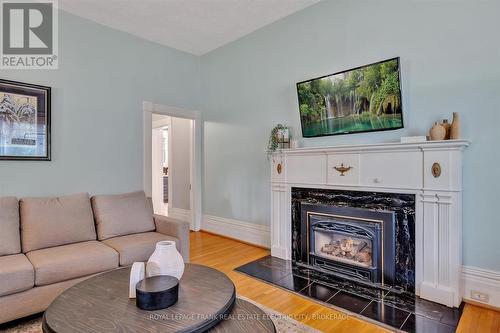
[{"x": 346, "y": 244}]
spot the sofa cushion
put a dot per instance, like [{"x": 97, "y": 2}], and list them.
[
  {"x": 123, "y": 214},
  {"x": 137, "y": 247},
  {"x": 16, "y": 274},
  {"x": 48, "y": 222},
  {"x": 71, "y": 261},
  {"x": 10, "y": 240}
]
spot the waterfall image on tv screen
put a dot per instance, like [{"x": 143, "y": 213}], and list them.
[{"x": 362, "y": 99}]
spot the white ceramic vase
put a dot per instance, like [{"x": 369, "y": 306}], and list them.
[
  {"x": 137, "y": 273},
  {"x": 166, "y": 260}
]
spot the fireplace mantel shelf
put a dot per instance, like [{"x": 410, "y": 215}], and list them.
[
  {"x": 431, "y": 170},
  {"x": 389, "y": 146}
]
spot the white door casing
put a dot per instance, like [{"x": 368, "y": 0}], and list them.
[
  {"x": 196, "y": 145},
  {"x": 157, "y": 169}
]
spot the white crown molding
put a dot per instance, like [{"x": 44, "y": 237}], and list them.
[
  {"x": 247, "y": 232},
  {"x": 484, "y": 281}
]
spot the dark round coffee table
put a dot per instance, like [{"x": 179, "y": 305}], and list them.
[{"x": 207, "y": 301}]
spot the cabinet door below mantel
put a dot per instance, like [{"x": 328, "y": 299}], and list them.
[
  {"x": 307, "y": 169},
  {"x": 392, "y": 169}
]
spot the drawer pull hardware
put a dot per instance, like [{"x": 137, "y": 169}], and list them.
[
  {"x": 342, "y": 169},
  {"x": 436, "y": 170},
  {"x": 278, "y": 168}
]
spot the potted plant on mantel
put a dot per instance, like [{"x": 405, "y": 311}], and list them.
[{"x": 279, "y": 138}]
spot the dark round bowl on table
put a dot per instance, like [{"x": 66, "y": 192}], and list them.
[{"x": 157, "y": 292}]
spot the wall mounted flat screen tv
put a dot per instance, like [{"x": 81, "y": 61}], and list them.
[{"x": 362, "y": 99}]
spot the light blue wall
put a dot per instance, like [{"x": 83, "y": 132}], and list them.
[
  {"x": 450, "y": 56},
  {"x": 104, "y": 76},
  {"x": 450, "y": 62}
]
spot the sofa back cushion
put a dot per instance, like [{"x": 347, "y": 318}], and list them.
[
  {"x": 48, "y": 222},
  {"x": 10, "y": 240},
  {"x": 122, "y": 214}
]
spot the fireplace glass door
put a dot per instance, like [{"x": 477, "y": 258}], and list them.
[{"x": 347, "y": 246}]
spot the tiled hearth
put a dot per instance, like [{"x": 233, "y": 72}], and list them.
[{"x": 398, "y": 311}]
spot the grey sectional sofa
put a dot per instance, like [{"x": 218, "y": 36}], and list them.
[{"x": 49, "y": 244}]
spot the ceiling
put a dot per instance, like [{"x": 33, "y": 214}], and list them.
[{"x": 194, "y": 26}]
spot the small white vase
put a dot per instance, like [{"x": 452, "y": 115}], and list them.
[
  {"x": 166, "y": 260},
  {"x": 137, "y": 273}
]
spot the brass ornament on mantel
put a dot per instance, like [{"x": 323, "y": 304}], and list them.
[
  {"x": 436, "y": 170},
  {"x": 279, "y": 168},
  {"x": 342, "y": 169}
]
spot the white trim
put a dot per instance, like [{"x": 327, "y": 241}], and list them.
[
  {"x": 169, "y": 110},
  {"x": 180, "y": 214},
  {"x": 148, "y": 108},
  {"x": 161, "y": 122},
  {"x": 157, "y": 170},
  {"x": 247, "y": 232},
  {"x": 170, "y": 148},
  {"x": 484, "y": 281}
]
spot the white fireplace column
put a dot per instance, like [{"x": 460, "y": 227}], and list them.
[
  {"x": 281, "y": 232},
  {"x": 432, "y": 171}
]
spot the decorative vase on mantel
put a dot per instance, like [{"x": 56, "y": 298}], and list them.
[
  {"x": 455, "y": 130},
  {"x": 437, "y": 132},
  {"x": 165, "y": 260},
  {"x": 447, "y": 127}
]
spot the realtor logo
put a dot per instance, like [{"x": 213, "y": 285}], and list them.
[{"x": 29, "y": 34}]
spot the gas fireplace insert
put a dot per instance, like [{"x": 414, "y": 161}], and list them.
[{"x": 353, "y": 242}]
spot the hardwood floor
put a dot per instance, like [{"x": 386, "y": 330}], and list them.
[{"x": 225, "y": 254}]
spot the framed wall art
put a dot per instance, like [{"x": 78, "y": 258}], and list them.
[{"x": 24, "y": 121}]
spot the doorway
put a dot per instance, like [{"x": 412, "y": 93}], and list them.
[
  {"x": 160, "y": 185},
  {"x": 172, "y": 168}
]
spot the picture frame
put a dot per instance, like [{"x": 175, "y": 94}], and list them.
[{"x": 25, "y": 127}]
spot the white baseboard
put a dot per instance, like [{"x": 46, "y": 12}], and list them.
[
  {"x": 180, "y": 214},
  {"x": 483, "y": 281},
  {"x": 247, "y": 232}
]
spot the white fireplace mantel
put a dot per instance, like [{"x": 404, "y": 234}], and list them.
[{"x": 391, "y": 167}]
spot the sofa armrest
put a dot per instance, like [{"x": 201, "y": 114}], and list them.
[{"x": 175, "y": 228}]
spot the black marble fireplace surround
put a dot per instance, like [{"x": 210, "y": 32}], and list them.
[
  {"x": 395, "y": 306},
  {"x": 373, "y": 205}
]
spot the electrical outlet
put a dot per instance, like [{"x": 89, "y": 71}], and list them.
[{"x": 479, "y": 296}]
